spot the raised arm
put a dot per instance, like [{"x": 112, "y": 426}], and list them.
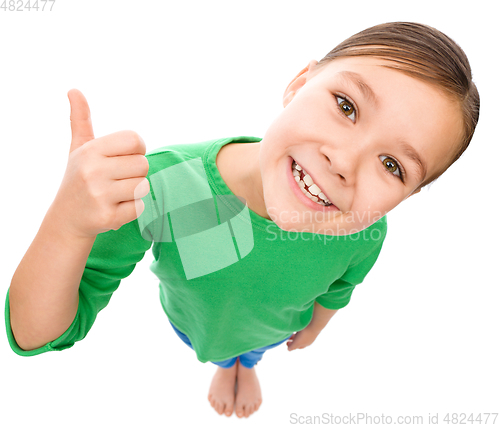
[{"x": 101, "y": 190}]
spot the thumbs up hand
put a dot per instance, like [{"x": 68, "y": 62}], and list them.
[{"x": 105, "y": 177}]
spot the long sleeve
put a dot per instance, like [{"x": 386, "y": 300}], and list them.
[{"x": 113, "y": 257}]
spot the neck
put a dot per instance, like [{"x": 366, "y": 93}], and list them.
[{"x": 239, "y": 167}]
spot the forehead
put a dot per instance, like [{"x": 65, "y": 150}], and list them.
[{"x": 397, "y": 106}]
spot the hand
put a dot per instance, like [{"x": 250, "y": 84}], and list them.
[
  {"x": 302, "y": 339},
  {"x": 105, "y": 178}
]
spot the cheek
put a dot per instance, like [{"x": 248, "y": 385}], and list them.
[
  {"x": 281, "y": 129},
  {"x": 374, "y": 200},
  {"x": 303, "y": 119}
]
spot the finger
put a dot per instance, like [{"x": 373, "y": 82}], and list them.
[
  {"x": 121, "y": 143},
  {"x": 130, "y": 189},
  {"x": 81, "y": 124},
  {"x": 126, "y": 166}
]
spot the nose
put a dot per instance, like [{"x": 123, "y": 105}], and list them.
[{"x": 343, "y": 163}]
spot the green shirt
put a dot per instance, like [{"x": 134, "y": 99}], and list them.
[{"x": 229, "y": 279}]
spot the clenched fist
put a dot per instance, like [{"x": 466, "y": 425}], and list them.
[{"x": 105, "y": 178}]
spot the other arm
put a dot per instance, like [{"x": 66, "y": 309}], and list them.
[{"x": 305, "y": 337}]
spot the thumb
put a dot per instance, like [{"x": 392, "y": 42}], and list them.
[{"x": 81, "y": 125}]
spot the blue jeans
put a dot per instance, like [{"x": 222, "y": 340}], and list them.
[{"x": 248, "y": 359}]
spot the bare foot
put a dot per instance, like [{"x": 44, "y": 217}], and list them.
[
  {"x": 221, "y": 393},
  {"x": 248, "y": 394}
]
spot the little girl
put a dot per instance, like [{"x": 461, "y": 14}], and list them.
[{"x": 256, "y": 241}]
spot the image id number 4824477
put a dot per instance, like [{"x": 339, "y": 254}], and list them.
[
  {"x": 464, "y": 418},
  {"x": 27, "y": 6}
]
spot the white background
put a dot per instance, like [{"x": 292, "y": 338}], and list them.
[{"x": 420, "y": 335}]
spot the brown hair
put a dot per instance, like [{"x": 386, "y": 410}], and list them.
[{"x": 427, "y": 54}]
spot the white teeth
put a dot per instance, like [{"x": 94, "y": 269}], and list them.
[
  {"x": 311, "y": 197},
  {"x": 315, "y": 190},
  {"x": 312, "y": 188},
  {"x": 308, "y": 180}
]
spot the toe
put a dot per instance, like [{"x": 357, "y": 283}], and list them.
[
  {"x": 257, "y": 405},
  {"x": 239, "y": 411},
  {"x": 248, "y": 411}
]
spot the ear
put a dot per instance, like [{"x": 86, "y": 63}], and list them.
[{"x": 298, "y": 81}]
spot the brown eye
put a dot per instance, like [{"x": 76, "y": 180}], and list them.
[
  {"x": 391, "y": 166},
  {"x": 347, "y": 108}
]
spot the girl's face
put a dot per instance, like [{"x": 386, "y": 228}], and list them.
[{"x": 367, "y": 136}]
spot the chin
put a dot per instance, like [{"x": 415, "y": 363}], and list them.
[{"x": 291, "y": 227}]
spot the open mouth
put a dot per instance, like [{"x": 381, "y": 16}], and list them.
[{"x": 308, "y": 187}]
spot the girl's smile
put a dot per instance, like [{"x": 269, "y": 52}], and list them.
[
  {"x": 367, "y": 136},
  {"x": 315, "y": 205}
]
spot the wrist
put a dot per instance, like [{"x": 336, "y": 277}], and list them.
[{"x": 313, "y": 328}]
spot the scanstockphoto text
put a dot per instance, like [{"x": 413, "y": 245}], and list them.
[{"x": 438, "y": 419}]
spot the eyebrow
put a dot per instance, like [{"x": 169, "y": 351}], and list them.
[
  {"x": 411, "y": 153},
  {"x": 363, "y": 87}
]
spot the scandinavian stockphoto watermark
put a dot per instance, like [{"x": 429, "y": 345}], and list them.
[
  {"x": 324, "y": 226},
  {"x": 316, "y": 233},
  {"x": 181, "y": 207},
  {"x": 309, "y": 216}
]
